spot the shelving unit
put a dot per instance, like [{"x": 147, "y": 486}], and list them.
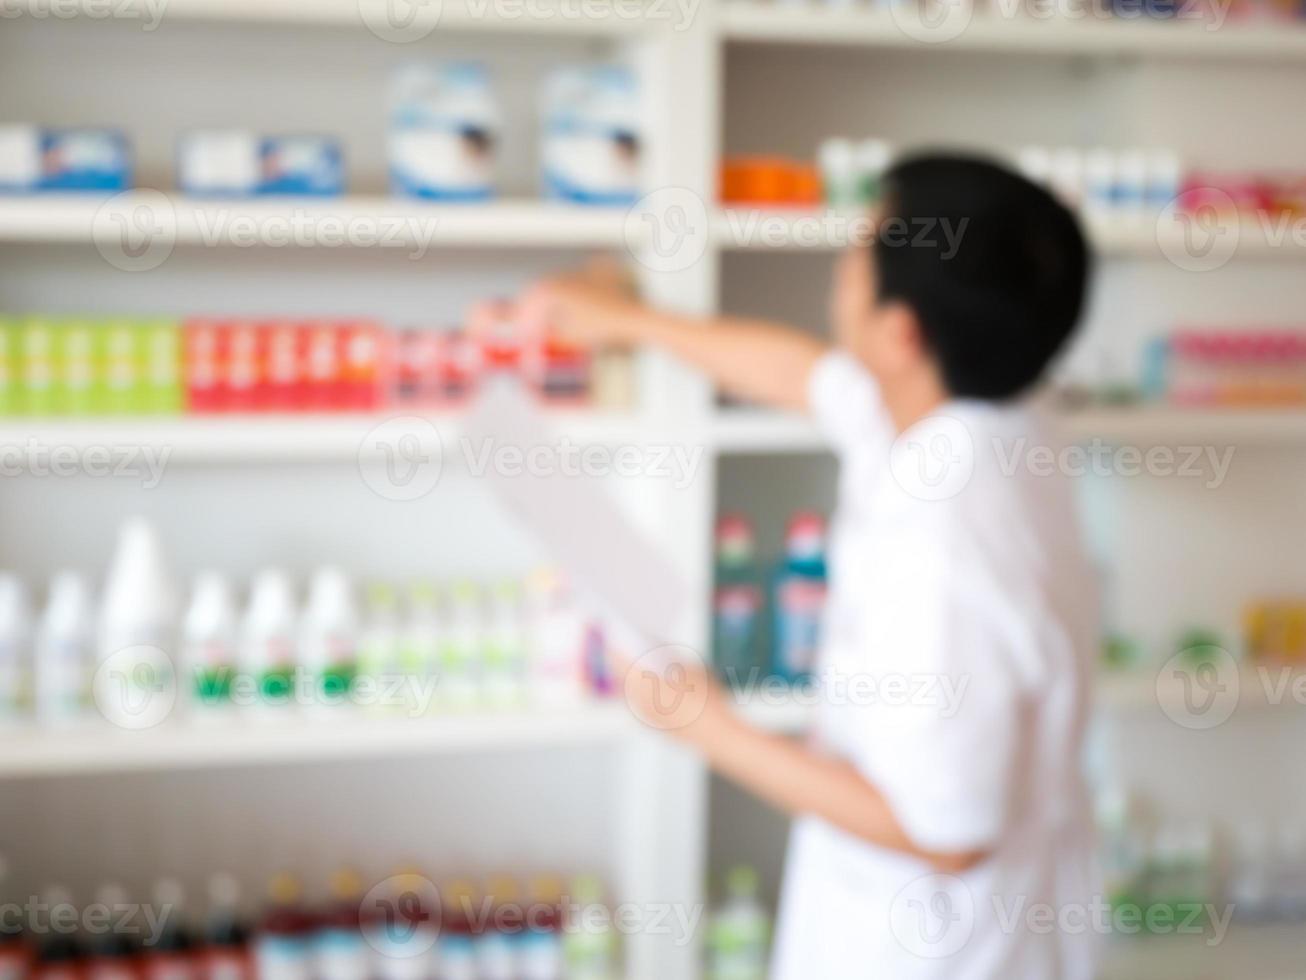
[
  {"x": 260, "y": 489},
  {"x": 746, "y": 22},
  {"x": 350, "y": 222}
]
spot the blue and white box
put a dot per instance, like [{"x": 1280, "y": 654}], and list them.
[
  {"x": 444, "y": 131},
  {"x": 239, "y": 163},
  {"x": 591, "y": 129},
  {"x": 311, "y": 165}
]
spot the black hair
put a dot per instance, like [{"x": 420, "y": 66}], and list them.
[{"x": 994, "y": 267}]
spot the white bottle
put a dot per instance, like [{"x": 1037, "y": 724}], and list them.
[
  {"x": 738, "y": 934},
  {"x": 267, "y": 642},
  {"x": 555, "y": 641},
  {"x": 838, "y": 162},
  {"x": 135, "y": 683},
  {"x": 328, "y": 639},
  {"x": 419, "y": 652},
  {"x": 1100, "y": 174},
  {"x": 873, "y": 159},
  {"x": 461, "y": 648},
  {"x": 62, "y": 667},
  {"x": 15, "y": 637},
  {"x": 208, "y": 645},
  {"x": 504, "y": 681}
]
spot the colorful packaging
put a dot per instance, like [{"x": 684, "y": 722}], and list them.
[
  {"x": 799, "y": 599},
  {"x": 84, "y": 160},
  {"x": 737, "y": 604},
  {"x": 591, "y": 136},
  {"x": 37, "y": 353},
  {"x": 306, "y": 165},
  {"x": 444, "y": 127}
]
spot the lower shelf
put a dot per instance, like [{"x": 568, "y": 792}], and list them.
[
  {"x": 1245, "y": 952},
  {"x": 239, "y": 741}
]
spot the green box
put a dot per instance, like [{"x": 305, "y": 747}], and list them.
[
  {"x": 119, "y": 363},
  {"x": 37, "y": 359},
  {"x": 77, "y": 379},
  {"x": 9, "y": 389},
  {"x": 161, "y": 366}
]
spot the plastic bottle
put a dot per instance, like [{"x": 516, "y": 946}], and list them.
[
  {"x": 60, "y": 956},
  {"x": 405, "y": 933},
  {"x": 209, "y": 642},
  {"x": 556, "y": 632},
  {"x": 61, "y": 668},
  {"x": 838, "y": 162},
  {"x": 589, "y": 946},
  {"x": 111, "y": 956},
  {"x": 267, "y": 639},
  {"x": 541, "y": 942},
  {"x": 328, "y": 637},
  {"x": 419, "y": 650},
  {"x": 225, "y": 952},
  {"x": 15, "y": 639},
  {"x": 498, "y": 942},
  {"x": 137, "y": 617},
  {"x": 456, "y": 952},
  {"x": 872, "y": 160},
  {"x": 504, "y": 670},
  {"x": 444, "y": 124},
  {"x": 15, "y": 950},
  {"x": 460, "y": 648},
  {"x": 799, "y": 598},
  {"x": 378, "y": 649},
  {"x": 737, "y": 604},
  {"x": 172, "y": 957},
  {"x": 738, "y": 934},
  {"x": 282, "y": 948},
  {"x": 340, "y": 952}
]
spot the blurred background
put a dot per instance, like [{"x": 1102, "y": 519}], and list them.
[{"x": 278, "y": 651}]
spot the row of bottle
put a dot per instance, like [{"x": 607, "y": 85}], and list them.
[
  {"x": 1258, "y": 868},
  {"x": 89, "y": 366},
  {"x": 1104, "y": 181},
  {"x": 1224, "y": 367},
  {"x": 456, "y": 648},
  {"x": 403, "y": 928},
  {"x": 746, "y": 648}
]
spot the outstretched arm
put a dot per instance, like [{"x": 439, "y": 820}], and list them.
[{"x": 759, "y": 361}]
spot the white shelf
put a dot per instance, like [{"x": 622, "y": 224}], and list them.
[
  {"x": 538, "y": 17},
  {"x": 274, "y": 438},
  {"x": 375, "y": 222},
  {"x": 743, "y": 229},
  {"x": 1162, "y": 425},
  {"x": 1259, "y": 687},
  {"x": 95, "y": 747},
  {"x": 762, "y": 431},
  {"x": 813, "y": 24}
]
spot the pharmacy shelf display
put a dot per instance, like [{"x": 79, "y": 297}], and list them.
[{"x": 656, "y": 801}]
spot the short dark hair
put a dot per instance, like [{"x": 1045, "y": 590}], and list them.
[{"x": 993, "y": 265}]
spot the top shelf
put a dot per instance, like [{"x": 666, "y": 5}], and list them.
[
  {"x": 389, "y": 22},
  {"x": 750, "y": 22}
]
